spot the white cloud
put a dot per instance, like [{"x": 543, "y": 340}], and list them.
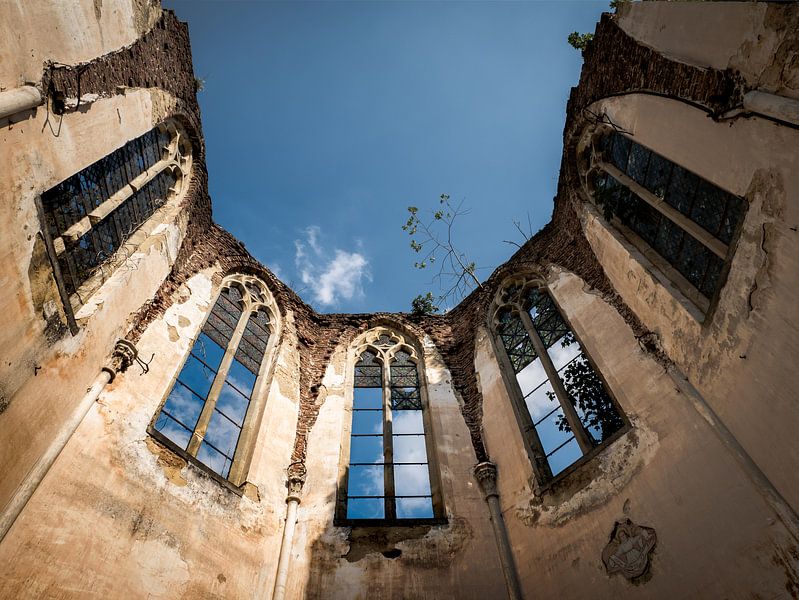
[{"x": 330, "y": 279}]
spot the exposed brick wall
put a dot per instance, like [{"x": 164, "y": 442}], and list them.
[
  {"x": 161, "y": 58},
  {"x": 614, "y": 64}
]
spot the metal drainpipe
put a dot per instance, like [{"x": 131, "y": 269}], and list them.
[
  {"x": 124, "y": 354},
  {"x": 296, "y": 479},
  {"x": 486, "y": 474},
  {"x": 777, "y": 107},
  {"x": 18, "y": 100}
]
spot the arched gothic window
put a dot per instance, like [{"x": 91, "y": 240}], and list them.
[
  {"x": 563, "y": 406},
  {"x": 388, "y": 450},
  {"x": 212, "y": 411},
  {"x": 687, "y": 220},
  {"x": 90, "y": 217}
]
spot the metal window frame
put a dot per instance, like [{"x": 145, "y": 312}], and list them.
[
  {"x": 243, "y": 452},
  {"x": 532, "y": 443},
  {"x": 703, "y": 305},
  {"x": 389, "y": 496},
  {"x": 106, "y": 214}
]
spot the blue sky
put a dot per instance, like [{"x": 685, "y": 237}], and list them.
[{"x": 325, "y": 121}]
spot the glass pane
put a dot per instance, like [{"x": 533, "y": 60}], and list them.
[
  {"x": 408, "y": 421},
  {"x": 531, "y": 377},
  {"x": 568, "y": 455},
  {"x": 222, "y": 434},
  {"x": 732, "y": 216},
  {"x": 658, "y": 175},
  {"x": 621, "y": 148},
  {"x": 409, "y": 449},
  {"x": 711, "y": 281},
  {"x": 365, "y": 508},
  {"x": 411, "y": 480},
  {"x": 213, "y": 460},
  {"x": 197, "y": 376},
  {"x": 366, "y": 449},
  {"x": 367, "y": 421},
  {"x": 516, "y": 341},
  {"x": 365, "y": 481},
  {"x": 594, "y": 406},
  {"x": 232, "y": 404},
  {"x": 669, "y": 240},
  {"x": 407, "y": 398},
  {"x": 414, "y": 508},
  {"x": 638, "y": 162},
  {"x": 368, "y": 371},
  {"x": 564, "y": 350},
  {"x": 173, "y": 430},
  {"x": 404, "y": 376},
  {"x": 708, "y": 206},
  {"x": 367, "y": 397},
  {"x": 553, "y": 430},
  {"x": 241, "y": 378},
  {"x": 645, "y": 220},
  {"x": 541, "y": 401},
  {"x": 183, "y": 406},
  {"x": 681, "y": 189},
  {"x": 693, "y": 261},
  {"x": 208, "y": 351}
]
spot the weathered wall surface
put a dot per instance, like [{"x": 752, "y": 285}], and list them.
[
  {"x": 669, "y": 472},
  {"x": 457, "y": 560},
  {"x": 741, "y": 356},
  {"x": 50, "y": 30},
  {"x": 757, "y": 39},
  {"x": 120, "y": 515},
  {"x": 45, "y": 370}
]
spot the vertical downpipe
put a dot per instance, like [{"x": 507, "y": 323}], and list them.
[
  {"x": 486, "y": 474},
  {"x": 296, "y": 479},
  {"x": 124, "y": 354}
]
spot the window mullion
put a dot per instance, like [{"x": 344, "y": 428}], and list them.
[
  {"x": 216, "y": 387},
  {"x": 696, "y": 231},
  {"x": 388, "y": 446},
  {"x": 557, "y": 385}
]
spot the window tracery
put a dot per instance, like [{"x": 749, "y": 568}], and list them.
[
  {"x": 687, "y": 220},
  {"x": 564, "y": 407},
  {"x": 209, "y": 410},
  {"x": 89, "y": 217},
  {"x": 389, "y": 477}
]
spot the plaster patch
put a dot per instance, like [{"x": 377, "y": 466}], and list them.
[{"x": 616, "y": 466}]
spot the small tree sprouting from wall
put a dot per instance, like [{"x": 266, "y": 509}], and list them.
[{"x": 432, "y": 240}]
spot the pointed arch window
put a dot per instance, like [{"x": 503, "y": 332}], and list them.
[
  {"x": 688, "y": 221},
  {"x": 390, "y": 477},
  {"x": 563, "y": 406},
  {"x": 90, "y": 217},
  {"x": 209, "y": 414}
]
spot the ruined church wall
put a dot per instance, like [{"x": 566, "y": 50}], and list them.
[
  {"x": 456, "y": 560},
  {"x": 51, "y": 30},
  {"x": 669, "y": 471},
  {"x": 119, "y": 514},
  {"x": 741, "y": 356},
  {"x": 756, "y": 39},
  {"x": 45, "y": 370}
]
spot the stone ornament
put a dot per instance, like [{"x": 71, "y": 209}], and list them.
[{"x": 629, "y": 549}]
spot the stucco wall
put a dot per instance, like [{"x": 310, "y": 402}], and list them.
[
  {"x": 758, "y": 39},
  {"x": 121, "y": 515},
  {"x": 741, "y": 357},
  {"x": 669, "y": 472},
  {"x": 34, "y": 32},
  {"x": 44, "y": 369},
  {"x": 457, "y": 560}
]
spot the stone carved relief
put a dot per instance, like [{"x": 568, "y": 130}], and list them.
[{"x": 629, "y": 548}]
